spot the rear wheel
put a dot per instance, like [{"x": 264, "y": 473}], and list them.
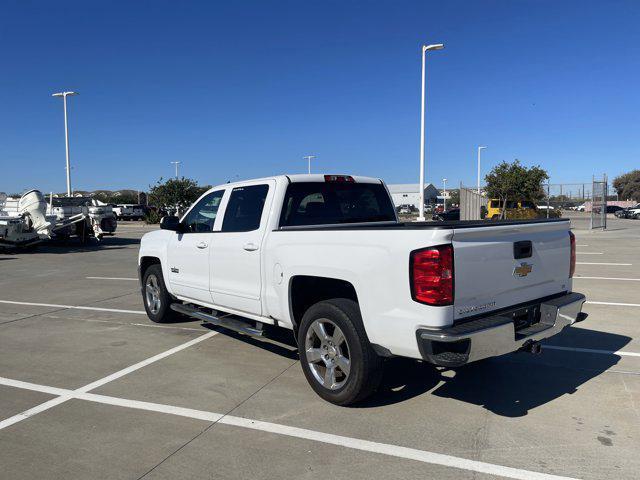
[
  {"x": 157, "y": 301},
  {"x": 336, "y": 356}
]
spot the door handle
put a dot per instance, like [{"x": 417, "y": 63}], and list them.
[
  {"x": 250, "y": 247},
  {"x": 202, "y": 245}
]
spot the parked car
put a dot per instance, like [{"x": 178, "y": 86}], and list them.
[
  {"x": 614, "y": 208},
  {"x": 495, "y": 207},
  {"x": 325, "y": 257},
  {"x": 581, "y": 208},
  {"x": 629, "y": 212},
  {"x": 405, "y": 209},
  {"x": 449, "y": 215},
  {"x": 129, "y": 212}
]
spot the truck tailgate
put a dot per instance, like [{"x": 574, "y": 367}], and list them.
[{"x": 490, "y": 276}]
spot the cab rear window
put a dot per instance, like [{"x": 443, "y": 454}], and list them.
[{"x": 326, "y": 203}]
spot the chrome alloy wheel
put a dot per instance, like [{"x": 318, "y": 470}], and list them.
[
  {"x": 327, "y": 354},
  {"x": 152, "y": 294}
]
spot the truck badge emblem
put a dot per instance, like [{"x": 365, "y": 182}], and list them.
[
  {"x": 174, "y": 270},
  {"x": 522, "y": 270}
]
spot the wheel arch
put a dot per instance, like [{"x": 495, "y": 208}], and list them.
[
  {"x": 307, "y": 290},
  {"x": 145, "y": 263}
]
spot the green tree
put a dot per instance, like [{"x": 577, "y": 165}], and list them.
[
  {"x": 515, "y": 182},
  {"x": 628, "y": 185},
  {"x": 175, "y": 193}
]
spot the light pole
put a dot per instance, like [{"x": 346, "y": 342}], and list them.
[
  {"x": 176, "y": 164},
  {"x": 444, "y": 195},
  {"x": 309, "y": 158},
  {"x": 479, "y": 150},
  {"x": 66, "y": 135},
  {"x": 425, "y": 49}
]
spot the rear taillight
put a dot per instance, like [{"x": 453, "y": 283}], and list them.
[
  {"x": 432, "y": 275},
  {"x": 572, "y": 264}
]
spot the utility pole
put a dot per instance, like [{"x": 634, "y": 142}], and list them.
[
  {"x": 64, "y": 96},
  {"x": 425, "y": 49},
  {"x": 548, "y": 197},
  {"x": 176, "y": 164},
  {"x": 479, "y": 150},
  {"x": 309, "y": 158},
  {"x": 444, "y": 195}
]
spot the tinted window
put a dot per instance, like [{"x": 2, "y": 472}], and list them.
[
  {"x": 244, "y": 209},
  {"x": 203, "y": 215},
  {"x": 330, "y": 203}
]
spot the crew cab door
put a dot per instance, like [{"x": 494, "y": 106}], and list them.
[
  {"x": 236, "y": 251},
  {"x": 188, "y": 252}
]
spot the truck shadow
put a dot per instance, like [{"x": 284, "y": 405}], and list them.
[
  {"x": 510, "y": 385},
  {"x": 275, "y": 340},
  {"x": 74, "y": 246}
]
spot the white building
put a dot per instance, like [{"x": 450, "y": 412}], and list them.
[{"x": 409, "y": 194}]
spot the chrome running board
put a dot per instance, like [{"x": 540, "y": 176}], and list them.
[{"x": 229, "y": 322}]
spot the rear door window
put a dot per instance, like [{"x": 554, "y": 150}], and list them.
[{"x": 244, "y": 209}]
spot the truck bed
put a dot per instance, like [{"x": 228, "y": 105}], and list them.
[{"x": 422, "y": 225}]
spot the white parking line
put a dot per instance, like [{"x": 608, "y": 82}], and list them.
[
  {"x": 596, "y": 263},
  {"x": 608, "y": 278},
  {"x": 589, "y": 253},
  {"x": 143, "y": 363},
  {"x": 113, "y": 278},
  {"x": 582, "y": 245},
  {"x": 391, "y": 450},
  {"x": 33, "y": 411},
  {"x": 303, "y": 433},
  {"x": 614, "y": 303},
  {"x": 69, "y": 394},
  {"x": 592, "y": 350},
  {"x": 75, "y": 307}
]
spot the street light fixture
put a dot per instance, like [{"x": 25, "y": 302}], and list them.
[
  {"x": 309, "y": 158},
  {"x": 425, "y": 49},
  {"x": 64, "y": 96},
  {"x": 479, "y": 150}
]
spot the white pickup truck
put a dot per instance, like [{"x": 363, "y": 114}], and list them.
[{"x": 325, "y": 256}]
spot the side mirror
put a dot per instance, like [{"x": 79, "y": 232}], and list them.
[{"x": 172, "y": 223}]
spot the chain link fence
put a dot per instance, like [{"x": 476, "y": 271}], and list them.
[{"x": 599, "y": 203}]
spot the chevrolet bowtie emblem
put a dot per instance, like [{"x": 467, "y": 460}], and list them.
[{"x": 522, "y": 270}]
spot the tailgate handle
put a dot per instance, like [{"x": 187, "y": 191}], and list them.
[{"x": 523, "y": 249}]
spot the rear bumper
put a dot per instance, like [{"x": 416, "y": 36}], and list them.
[{"x": 494, "y": 335}]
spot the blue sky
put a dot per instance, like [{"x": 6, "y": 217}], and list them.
[{"x": 247, "y": 89}]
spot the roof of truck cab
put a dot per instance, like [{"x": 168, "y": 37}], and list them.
[
  {"x": 319, "y": 177},
  {"x": 299, "y": 178}
]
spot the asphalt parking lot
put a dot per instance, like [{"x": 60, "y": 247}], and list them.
[{"x": 90, "y": 388}]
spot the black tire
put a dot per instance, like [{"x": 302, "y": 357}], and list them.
[
  {"x": 365, "y": 370},
  {"x": 162, "y": 313}
]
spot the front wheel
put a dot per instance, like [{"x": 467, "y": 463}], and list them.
[
  {"x": 336, "y": 356},
  {"x": 157, "y": 301}
]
